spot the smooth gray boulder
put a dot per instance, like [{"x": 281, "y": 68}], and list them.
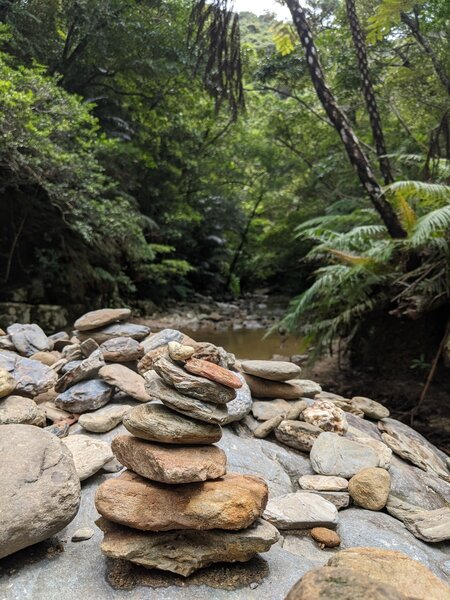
[
  {"x": 274, "y": 370},
  {"x": 121, "y": 349},
  {"x": 413, "y": 489},
  {"x": 39, "y": 487},
  {"x": 333, "y": 454}
]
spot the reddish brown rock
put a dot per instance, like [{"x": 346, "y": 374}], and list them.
[
  {"x": 325, "y": 537},
  {"x": 232, "y": 502},
  {"x": 209, "y": 370},
  {"x": 146, "y": 362},
  {"x": 169, "y": 464},
  {"x": 192, "y": 385}
]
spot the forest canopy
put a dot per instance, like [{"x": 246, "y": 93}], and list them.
[{"x": 143, "y": 160}]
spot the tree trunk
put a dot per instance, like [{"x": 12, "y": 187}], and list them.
[
  {"x": 368, "y": 91},
  {"x": 422, "y": 40},
  {"x": 243, "y": 241},
  {"x": 342, "y": 125}
]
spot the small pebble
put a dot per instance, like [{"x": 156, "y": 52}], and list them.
[
  {"x": 253, "y": 585},
  {"x": 267, "y": 427},
  {"x": 325, "y": 537},
  {"x": 296, "y": 410},
  {"x": 83, "y": 534}
]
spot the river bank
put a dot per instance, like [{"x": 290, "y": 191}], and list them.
[{"x": 243, "y": 328}]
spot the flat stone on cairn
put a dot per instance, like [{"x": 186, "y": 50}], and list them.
[
  {"x": 274, "y": 370},
  {"x": 100, "y": 318},
  {"x": 273, "y": 379},
  {"x": 158, "y": 423},
  {"x": 176, "y": 508},
  {"x": 232, "y": 502},
  {"x": 169, "y": 464}
]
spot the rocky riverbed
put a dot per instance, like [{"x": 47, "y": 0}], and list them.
[{"x": 228, "y": 458}]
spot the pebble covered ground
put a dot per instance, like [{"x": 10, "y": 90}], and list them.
[{"x": 240, "y": 475}]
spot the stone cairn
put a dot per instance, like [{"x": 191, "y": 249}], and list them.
[
  {"x": 175, "y": 507},
  {"x": 110, "y": 369}
]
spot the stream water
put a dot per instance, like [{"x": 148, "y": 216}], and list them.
[{"x": 250, "y": 343}]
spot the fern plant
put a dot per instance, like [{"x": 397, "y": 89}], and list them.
[{"x": 360, "y": 269}]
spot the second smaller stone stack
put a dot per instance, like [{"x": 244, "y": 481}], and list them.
[{"x": 176, "y": 508}]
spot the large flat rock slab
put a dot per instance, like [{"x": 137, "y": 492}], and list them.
[{"x": 81, "y": 571}]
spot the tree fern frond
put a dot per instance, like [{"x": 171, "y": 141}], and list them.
[
  {"x": 386, "y": 16},
  {"x": 351, "y": 259},
  {"x": 430, "y": 224},
  {"x": 431, "y": 192},
  {"x": 407, "y": 215},
  {"x": 285, "y": 38}
]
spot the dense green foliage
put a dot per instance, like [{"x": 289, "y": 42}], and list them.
[{"x": 121, "y": 181}]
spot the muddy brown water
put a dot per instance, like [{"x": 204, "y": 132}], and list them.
[{"x": 250, "y": 343}]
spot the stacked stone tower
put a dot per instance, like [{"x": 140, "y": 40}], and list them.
[{"x": 176, "y": 507}]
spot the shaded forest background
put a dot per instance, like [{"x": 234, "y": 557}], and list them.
[{"x": 121, "y": 179}]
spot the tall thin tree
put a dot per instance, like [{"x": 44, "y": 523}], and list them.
[
  {"x": 337, "y": 116},
  {"x": 359, "y": 42},
  {"x": 412, "y": 21},
  {"x": 211, "y": 20}
]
